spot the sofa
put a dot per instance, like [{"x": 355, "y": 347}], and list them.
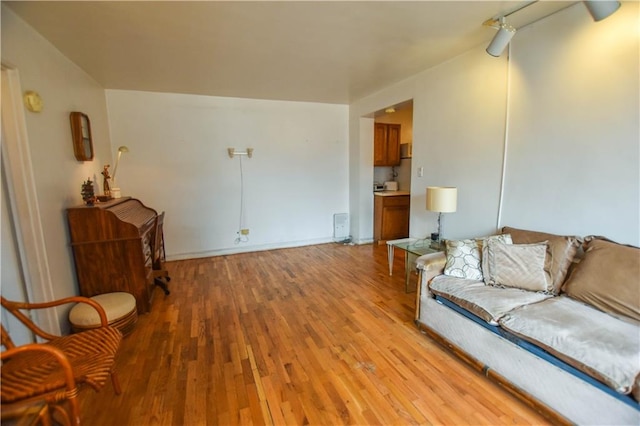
[{"x": 555, "y": 319}]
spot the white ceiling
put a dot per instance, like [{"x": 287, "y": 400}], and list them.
[{"x": 317, "y": 51}]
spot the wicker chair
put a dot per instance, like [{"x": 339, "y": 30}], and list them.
[{"x": 53, "y": 371}]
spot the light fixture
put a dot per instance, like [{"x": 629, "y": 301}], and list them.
[
  {"x": 390, "y": 110},
  {"x": 502, "y": 38},
  {"x": 115, "y": 190},
  {"x": 441, "y": 199},
  {"x": 601, "y": 9}
]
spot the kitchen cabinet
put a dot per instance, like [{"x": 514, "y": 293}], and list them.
[
  {"x": 391, "y": 215},
  {"x": 386, "y": 144}
]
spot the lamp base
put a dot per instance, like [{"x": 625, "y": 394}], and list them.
[{"x": 115, "y": 193}]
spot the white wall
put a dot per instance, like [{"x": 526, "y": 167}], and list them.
[
  {"x": 456, "y": 139},
  {"x": 573, "y": 161},
  {"x": 58, "y": 176},
  {"x": 178, "y": 162},
  {"x": 574, "y": 140}
]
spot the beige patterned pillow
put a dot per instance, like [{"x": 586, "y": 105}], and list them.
[
  {"x": 524, "y": 266},
  {"x": 464, "y": 259}
]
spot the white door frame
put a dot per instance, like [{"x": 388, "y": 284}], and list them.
[{"x": 16, "y": 159}]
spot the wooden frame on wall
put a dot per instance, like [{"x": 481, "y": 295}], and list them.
[{"x": 81, "y": 134}]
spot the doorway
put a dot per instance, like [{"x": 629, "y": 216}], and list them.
[
  {"x": 393, "y": 141},
  {"x": 401, "y": 114},
  {"x": 13, "y": 283},
  {"x": 27, "y": 266}
]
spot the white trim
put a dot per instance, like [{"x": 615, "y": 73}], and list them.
[
  {"x": 16, "y": 159},
  {"x": 503, "y": 176}
]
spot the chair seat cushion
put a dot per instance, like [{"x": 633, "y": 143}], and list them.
[
  {"x": 116, "y": 305},
  {"x": 91, "y": 354},
  {"x": 120, "y": 308}
]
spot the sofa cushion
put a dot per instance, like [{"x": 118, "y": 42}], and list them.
[
  {"x": 607, "y": 278},
  {"x": 524, "y": 266},
  {"x": 464, "y": 257},
  {"x": 487, "y": 302},
  {"x": 570, "y": 329},
  {"x": 563, "y": 249}
]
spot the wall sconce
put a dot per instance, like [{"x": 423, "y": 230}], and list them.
[
  {"x": 232, "y": 152},
  {"x": 601, "y": 9},
  {"x": 502, "y": 38},
  {"x": 441, "y": 199}
]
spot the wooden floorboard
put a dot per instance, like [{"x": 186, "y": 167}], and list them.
[{"x": 313, "y": 335}]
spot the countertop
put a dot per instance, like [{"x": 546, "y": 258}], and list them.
[{"x": 390, "y": 193}]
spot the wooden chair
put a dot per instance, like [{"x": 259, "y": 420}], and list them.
[
  {"x": 53, "y": 371},
  {"x": 160, "y": 274}
]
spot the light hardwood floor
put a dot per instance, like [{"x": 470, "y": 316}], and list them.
[{"x": 314, "y": 335}]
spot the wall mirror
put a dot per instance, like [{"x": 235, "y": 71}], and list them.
[{"x": 81, "y": 134}]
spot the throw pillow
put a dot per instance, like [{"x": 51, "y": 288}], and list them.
[
  {"x": 504, "y": 238},
  {"x": 464, "y": 257},
  {"x": 607, "y": 278},
  {"x": 524, "y": 266},
  {"x": 563, "y": 250}
]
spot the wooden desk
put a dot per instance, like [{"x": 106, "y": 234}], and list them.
[{"x": 113, "y": 248}]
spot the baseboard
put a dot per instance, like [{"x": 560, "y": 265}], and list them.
[{"x": 247, "y": 249}]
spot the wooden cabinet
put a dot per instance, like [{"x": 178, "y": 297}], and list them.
[
  {"x": 391, "y": 217},
  {"x": 386, "y": 144},
  {"x": 112, "y": 248}
]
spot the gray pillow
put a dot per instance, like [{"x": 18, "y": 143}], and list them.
[
  {"x": 562, "y": 248},
  {"x": 524, "y": 266}
]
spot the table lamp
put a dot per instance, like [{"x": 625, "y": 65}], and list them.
[
  {"x": 441, "y": 199},
  {"x": 115, "y": 190}
]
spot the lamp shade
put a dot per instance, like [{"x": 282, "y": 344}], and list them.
[
  {"x": 443, "y": 199},
  {"x": 501, "y": 40},
  {"x": 601, "y": 9},
  {"x": 121, "y": 149}
]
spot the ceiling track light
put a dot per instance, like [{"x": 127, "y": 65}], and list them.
[
  {"x": 601, "y": 9},
  {"x": 502, "y": 38}
]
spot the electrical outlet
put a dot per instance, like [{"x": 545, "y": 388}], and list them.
[
  {"x": 420, "y": 171},
  {"x": 244, "y": 231}
]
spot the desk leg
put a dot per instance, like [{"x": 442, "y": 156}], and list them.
[{"x": 390, "y": 258}]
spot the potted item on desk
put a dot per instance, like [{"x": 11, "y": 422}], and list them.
[{"x": 88, "y": 196}]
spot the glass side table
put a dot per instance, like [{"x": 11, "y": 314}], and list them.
[{"x": 413, "y": 248}]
